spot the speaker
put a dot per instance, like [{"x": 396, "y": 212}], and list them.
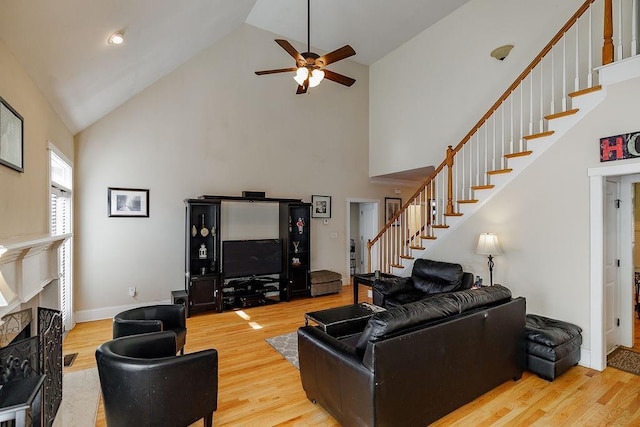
[
  {"x": 181, "y": 297},
  {"x": 254, "y": 194}
]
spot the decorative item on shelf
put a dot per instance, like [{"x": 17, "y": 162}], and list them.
[
  {"x": 202, "y": 252},
  {"x": 204, "y": 231},
  {"x": 300, "y": 225},
  {"x": 203, "y": 270},
  {"x": 194, "y": 231},
  {"x": 290, "y": 229},
  {"x": 488, "y": 245},
  {"x": 295, "y": 261},
  {"x": 296, "y": 247},
  {"x": 213, "y": 231}
]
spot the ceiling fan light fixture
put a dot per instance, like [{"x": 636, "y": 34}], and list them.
[
  {"x": 316, "y": 78},
  {"x": 301, "y": 75}
]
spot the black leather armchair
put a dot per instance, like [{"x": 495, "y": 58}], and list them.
[
  {"x": 153, "y": 318},
  {"x": 144, "y": 384},
  {"x": 427, "y": 278}
]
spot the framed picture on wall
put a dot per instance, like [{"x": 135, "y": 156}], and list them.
[
  {"x": 11, "y": 137},
  {"x": 391, "y": 207},
  {"x": 128, "y": 202},
  {"x": 320, "y": 206}
]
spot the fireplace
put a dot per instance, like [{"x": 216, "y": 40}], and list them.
[{"x": 24, "y": 356}]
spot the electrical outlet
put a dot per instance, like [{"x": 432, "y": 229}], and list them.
[{"x": 132, "y": 291}]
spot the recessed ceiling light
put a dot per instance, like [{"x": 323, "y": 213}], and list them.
[{"x": 116, "y": 38}]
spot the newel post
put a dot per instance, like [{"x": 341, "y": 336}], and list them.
[
  {"x": 450, "y": 154},
  {"x": 607, "y": 47}
]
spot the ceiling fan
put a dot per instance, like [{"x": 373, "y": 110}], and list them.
[{"x": 309, "y": 67}]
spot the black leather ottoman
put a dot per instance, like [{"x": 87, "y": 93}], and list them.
[{"x": 553, "y": 346}]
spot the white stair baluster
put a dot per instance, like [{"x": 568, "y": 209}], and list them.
[
  {"x": 541, "y": 96},
  {"x": 576, "y": 83},
  {"x": 564, "y": 72},
  {"x": 619, "y": 49},
  {"x": 590, "y": 51},
  {"x": 634, "y": 28}
]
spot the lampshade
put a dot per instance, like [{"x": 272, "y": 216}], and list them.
[
  {"x": 316, "y": 78},
  {"x": 6, "y": 294},
  {"x": 488, "y": 244},
  {"x": 301, "y": 75}
]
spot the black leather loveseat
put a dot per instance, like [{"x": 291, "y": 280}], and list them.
[
  {"x": 427, "y": 278},
  {"x": 415, "y": 363}
]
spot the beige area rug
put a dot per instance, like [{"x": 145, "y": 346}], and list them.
[
  {"x": 625, "y": 360},
  {"x": 80, "y": 398}
]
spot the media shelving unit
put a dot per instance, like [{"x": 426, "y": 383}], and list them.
[{"x": 205, "y": 283}]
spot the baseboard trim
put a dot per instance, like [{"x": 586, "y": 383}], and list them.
[
  {"x": 109, "y": 312},
  {"x": 585, "y": 358}
]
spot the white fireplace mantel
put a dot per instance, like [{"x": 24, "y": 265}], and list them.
[{"x": 28, "y": 264}]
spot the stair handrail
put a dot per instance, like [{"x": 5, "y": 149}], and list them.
[{"x": 606, "y": 58}]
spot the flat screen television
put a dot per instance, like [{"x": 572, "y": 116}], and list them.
[{"x": 246, "y": 258}]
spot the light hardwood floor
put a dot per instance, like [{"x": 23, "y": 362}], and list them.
[{"x": 258, "y": 387}]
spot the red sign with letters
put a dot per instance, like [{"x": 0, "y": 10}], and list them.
[{"x": 620, "y": 147}]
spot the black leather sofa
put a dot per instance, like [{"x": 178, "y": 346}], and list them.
[
  {"x": 415, "y": 363},
  {"x": 427, "y": 278}
]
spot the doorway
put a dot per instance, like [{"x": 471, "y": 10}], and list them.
[
  {"x": 362, "y": 225},
  {"x": 600, "y": 305}
]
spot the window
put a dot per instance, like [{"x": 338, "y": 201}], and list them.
[{"x": 61, "y": 208}]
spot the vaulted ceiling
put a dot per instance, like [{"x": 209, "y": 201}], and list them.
[{"x": 63, "y": 45}]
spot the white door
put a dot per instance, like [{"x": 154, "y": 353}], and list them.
[
  {"x": 367, "y": 232},
  {"x": 611, "y": 265}
]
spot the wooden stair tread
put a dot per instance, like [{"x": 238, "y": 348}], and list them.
[
  {"x": 440, "y": 226},
  {"x": 397, "y": 266},
  {"x": 585, "y": 91},
  {"x": 519, "y": 154},
  {"x": 483, "y": 187},
  {"x": 500, "y": 171},
  {"x": 406, "y": 257},
  {"x": 428, "y": 237},
  {"x": 418, "y": 248},
  {"x": 468, "y": 201},
  {"x": 453, "y": 214},
  {"x": 561, "y": 114},
  {"x": 538, "y": 135}
]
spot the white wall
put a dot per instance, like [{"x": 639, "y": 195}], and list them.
[
  {"x": 214, "y": 127},
  {"x": 24, "y": 197},
  {"x": 430, "y": 92},
  {"x": 542, "y": 218}
]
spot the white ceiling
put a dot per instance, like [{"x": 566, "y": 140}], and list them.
[{"x": 62, "y": 44}]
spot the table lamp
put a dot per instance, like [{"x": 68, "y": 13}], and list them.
[{"x": 488, "y": 245}]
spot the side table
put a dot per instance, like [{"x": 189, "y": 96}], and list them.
[
  {"x": 21, "y": 400},
  {"x": 367, "y": 280}
]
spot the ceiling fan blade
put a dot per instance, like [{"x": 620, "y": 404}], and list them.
[
  {"x": 337, "y": 55},
  {"x": 301, "y": 89},
  {"x": 279, "y": 70},
  {"x": 290, "y": 50},
  {"x": 338, "y": 78}
]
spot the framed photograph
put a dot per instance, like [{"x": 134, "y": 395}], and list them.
[
  {"x": 320, "y": 206},
  {"x": 128, "y": 202},
  {"x": 11, "y": 137},
  {"x": 391, "y": 207}
]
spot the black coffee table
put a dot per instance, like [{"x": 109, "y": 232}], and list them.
[{"x": 341, "y": 320}]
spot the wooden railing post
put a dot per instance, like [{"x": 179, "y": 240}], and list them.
[
  {"x": 607, "y": 47},
  {"x": 449, "y": 162}
]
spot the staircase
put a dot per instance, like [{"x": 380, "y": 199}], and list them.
[{"x": 557, "y": 90}]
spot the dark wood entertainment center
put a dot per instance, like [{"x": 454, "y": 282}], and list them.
[{"x": 209, "y": 287}]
